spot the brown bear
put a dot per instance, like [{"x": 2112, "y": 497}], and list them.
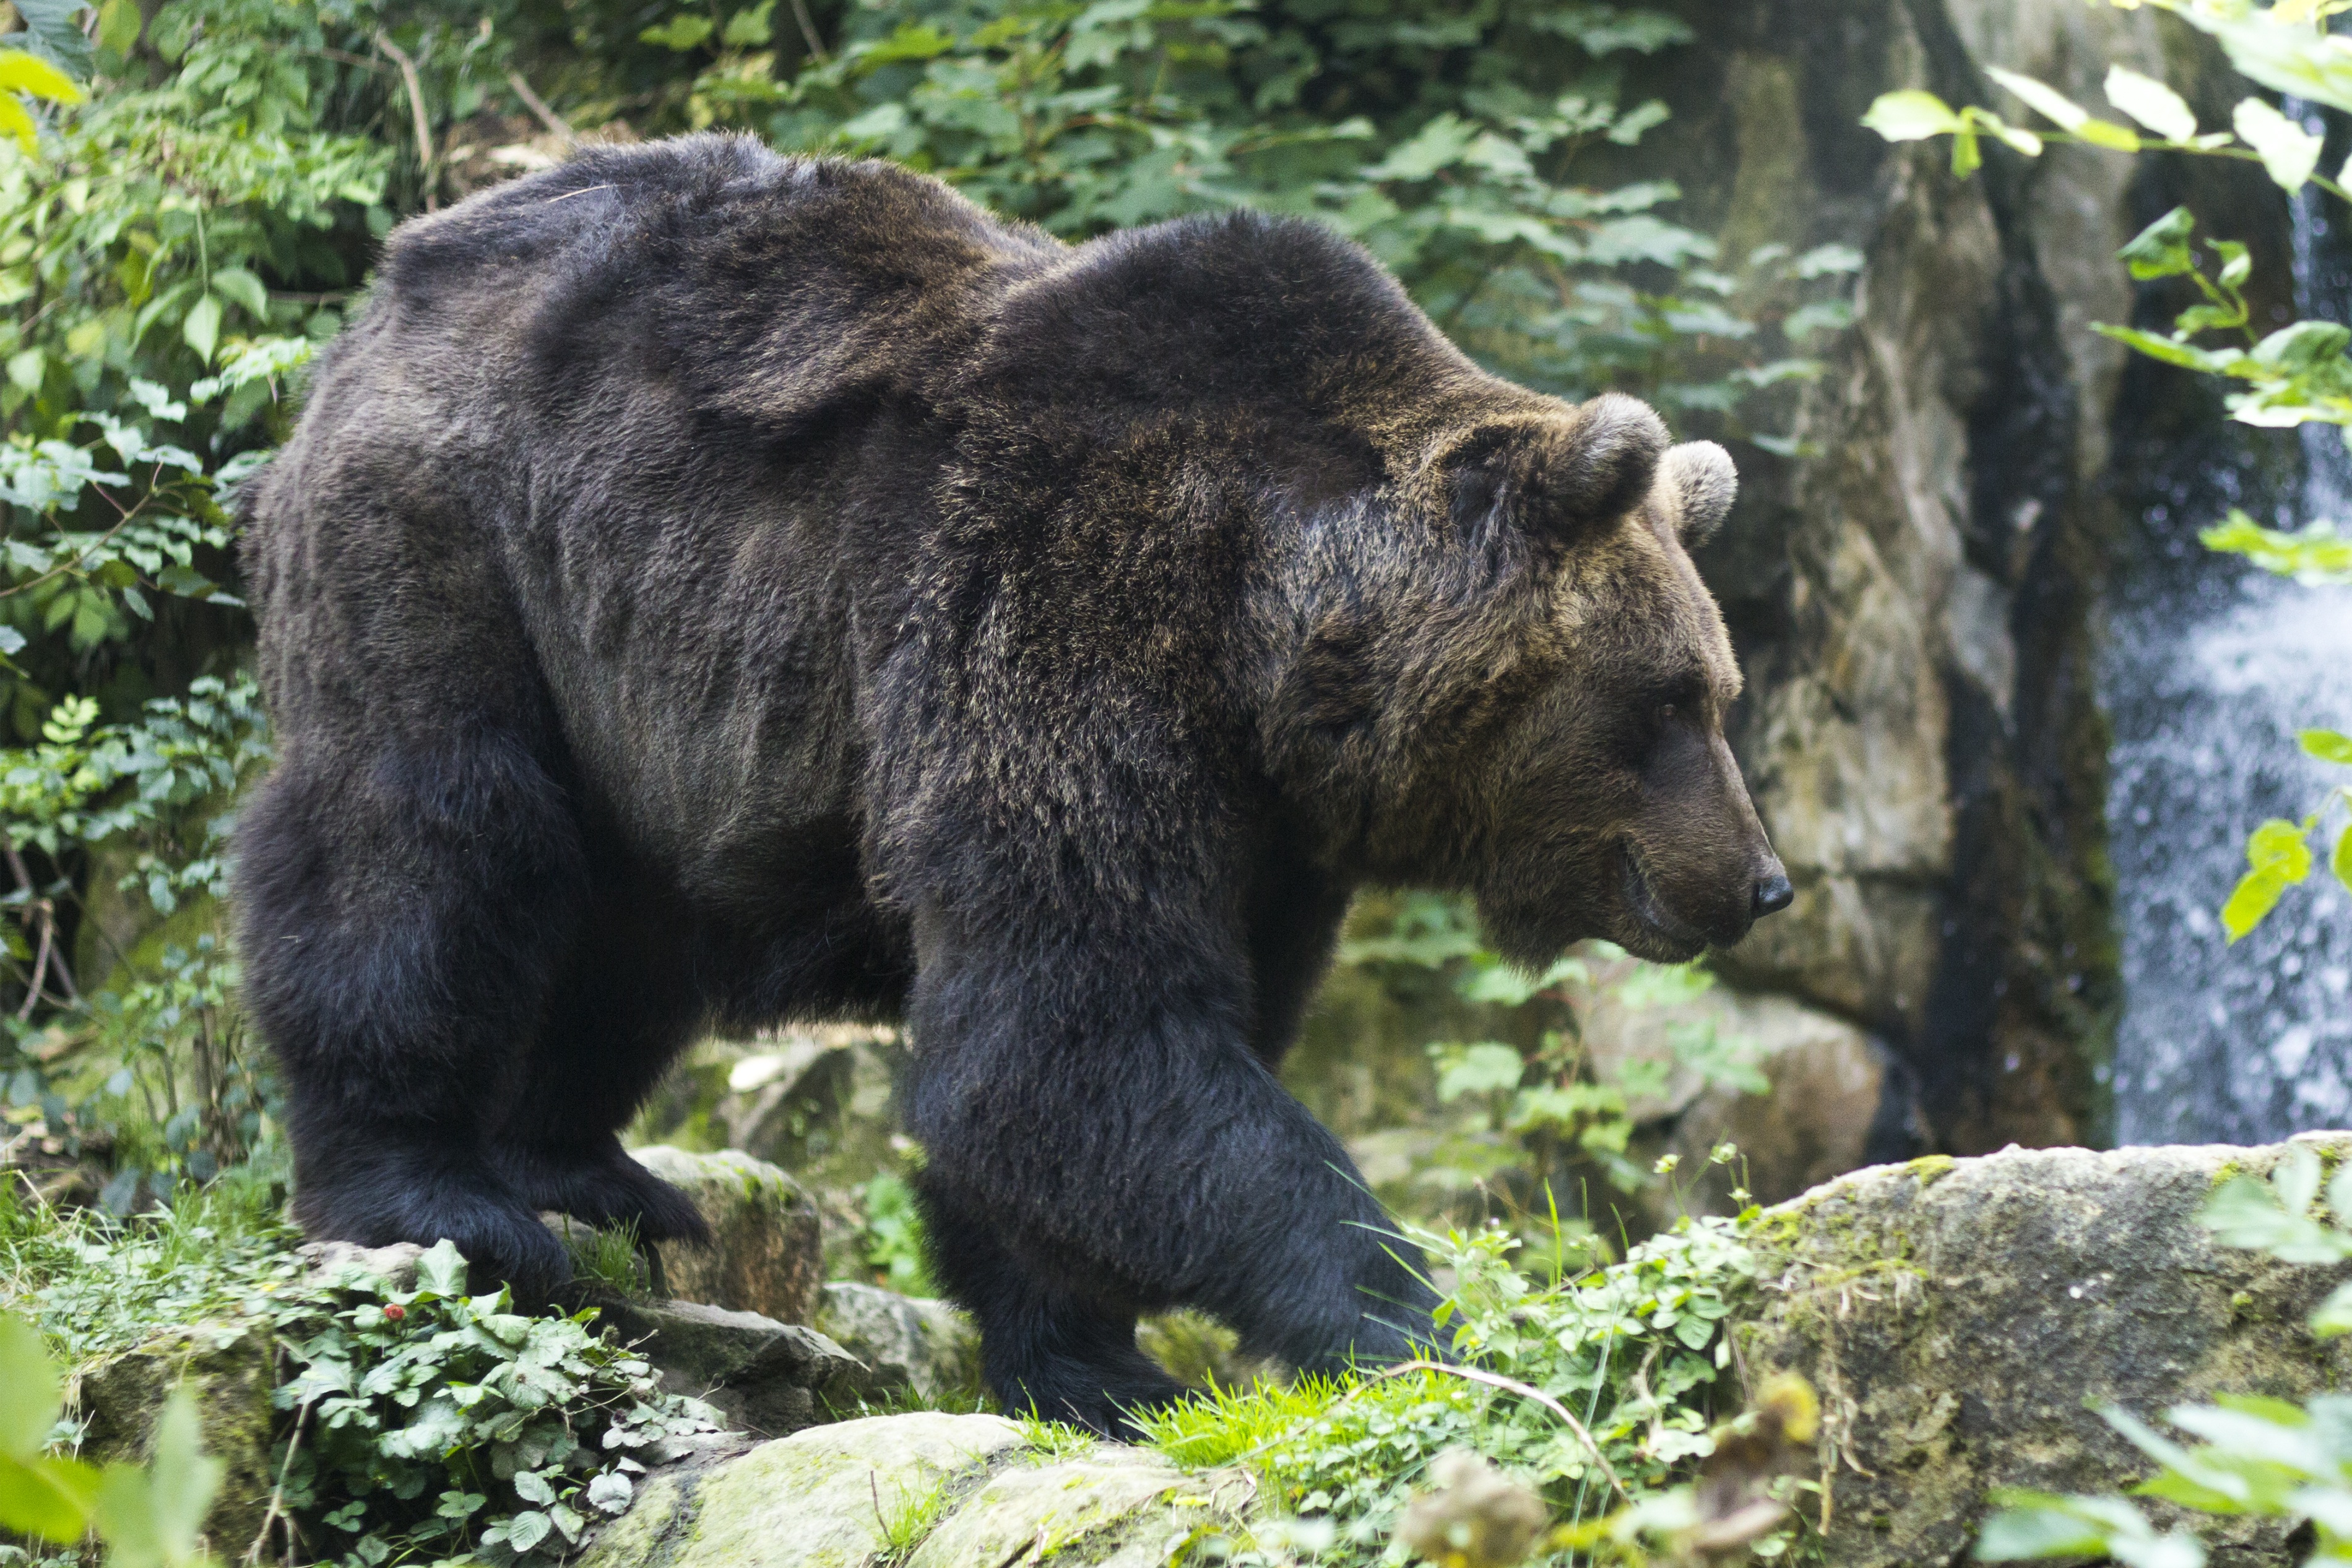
[{"x": 708, "y": 589}]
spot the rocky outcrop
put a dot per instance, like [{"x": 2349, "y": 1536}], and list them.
[
  {"x": 1912, "y": 591},
  {"x": 766, "y": 1255},
  {"x": 1957, "y": 1319},
  {"x": 1962, "y": 1319},
  {"x": 906, "y": 1347},
  {"x": 759, "y": 1376},
  {"x": 229, "y": 1370},
  {"x": 925, "y": 1490}
]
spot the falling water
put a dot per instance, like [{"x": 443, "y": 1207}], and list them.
[{"x": 2211, "y": 669}]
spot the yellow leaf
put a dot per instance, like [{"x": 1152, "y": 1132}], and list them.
[
  {"x": 21, "y": 71},
  {"x": 15, "y": 122}
]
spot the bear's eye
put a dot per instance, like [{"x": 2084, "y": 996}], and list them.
[{"x": 1665, "y": 711}]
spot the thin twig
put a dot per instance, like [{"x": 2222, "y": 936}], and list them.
[
  {"x": 808, "y": 32},
  {"x": 40, "y": 966},
  {"x": 538, "y": 106},
  {"x": 278, "y": 1493},
  {"x": 1525, "y": 1391},
  {"x": 425, "y": 155}
]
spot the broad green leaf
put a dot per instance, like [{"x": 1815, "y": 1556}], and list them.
[
  {"x": 2303, "y": 346},
  {"x": 2288, "y": 151},
  {"x": 680, "y": 32},
  {"x": 2328, "y": 745},
  {"x": 2153, "y": 104},
  {"x": 2054, "y": 104},
  {"x": 2317, "y": 554},
  {"x": 528, "y": 1529},
  {"x": 2278, "y": 857},
  {"x": 1911, "y": 115},
  {"x": 150, "y": 1518},
  {"x": 2161, "y": 249},
  {"x": 748, "y": 29},
  {"x": 28, "y": 1390},
  {"x": 2295, "y": 1179},
  {"x": 1482, "y": 1068},
  {"x": 2187, "y": 355},
  {"x": 2036, "y": 1524},
  {"x": 24, "y": 72},
  {"x": 202, "y": 328},
  {"x": 442, "y": 1269},
  {"x": 2283, "y": 57},
  {"x": 118, "y": 23},
  {"x": 241, "y": 287},
  {"x": 181, "y": 1480},
  {"x": 49, "y": 1497},
  {"x": 1966, "y": 156}
]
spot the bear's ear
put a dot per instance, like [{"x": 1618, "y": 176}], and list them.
[
  {"x": 1699, "y": 474},
  {"x": 1560, "y": 478},
  {"x": 1608, "y": 461}
]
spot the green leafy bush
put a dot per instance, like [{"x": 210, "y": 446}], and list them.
[
  {"x": 431, "y": 1424},
  {"x": 1597, "y": 1389}
]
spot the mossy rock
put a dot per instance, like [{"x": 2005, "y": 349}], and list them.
[
  {"x": 765, "y": 1256},
  {"x": 226, "y": 1367},
  {"x": 1963, "y": 1320}
]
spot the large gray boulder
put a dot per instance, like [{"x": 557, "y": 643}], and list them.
[
  {"x": 1961, "y": 1319},
  {"x": 922, "y": 1490}
]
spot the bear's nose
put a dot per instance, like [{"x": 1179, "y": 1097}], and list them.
[{"x": 1773, "y": 894}]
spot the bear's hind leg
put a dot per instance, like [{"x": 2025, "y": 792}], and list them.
[
  {"x": 621, "y": 1009},
  {"x": 1044, "y": 1349},
  {"x": 403, "y": 903}
]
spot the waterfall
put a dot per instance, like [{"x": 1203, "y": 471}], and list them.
[{"x": 2209, "y": 670}]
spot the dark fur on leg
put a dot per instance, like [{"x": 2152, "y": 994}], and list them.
[
  {"x": 400, "y": 928},
  {"x": 1045, "y": 1351}
]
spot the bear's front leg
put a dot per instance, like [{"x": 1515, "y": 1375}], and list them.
[{"x": 1093, "y": 1105}]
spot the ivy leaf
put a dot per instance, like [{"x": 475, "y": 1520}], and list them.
[
  {"x": 1911, "y": 115},
  {"x": 2288, "y": 151},
  {"x": 2153, "y": 104},
  {"x": 442, "y": 1269}
]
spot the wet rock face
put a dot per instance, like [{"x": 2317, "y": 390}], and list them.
[
  {"x": 1912, "y": 596},
  {"x": 1959, "y": 1318}
]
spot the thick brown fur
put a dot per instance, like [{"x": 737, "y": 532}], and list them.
[{"x": 709, "y": 588}]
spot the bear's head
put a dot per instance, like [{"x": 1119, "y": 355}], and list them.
[{"x": 1507, "y": 677}]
